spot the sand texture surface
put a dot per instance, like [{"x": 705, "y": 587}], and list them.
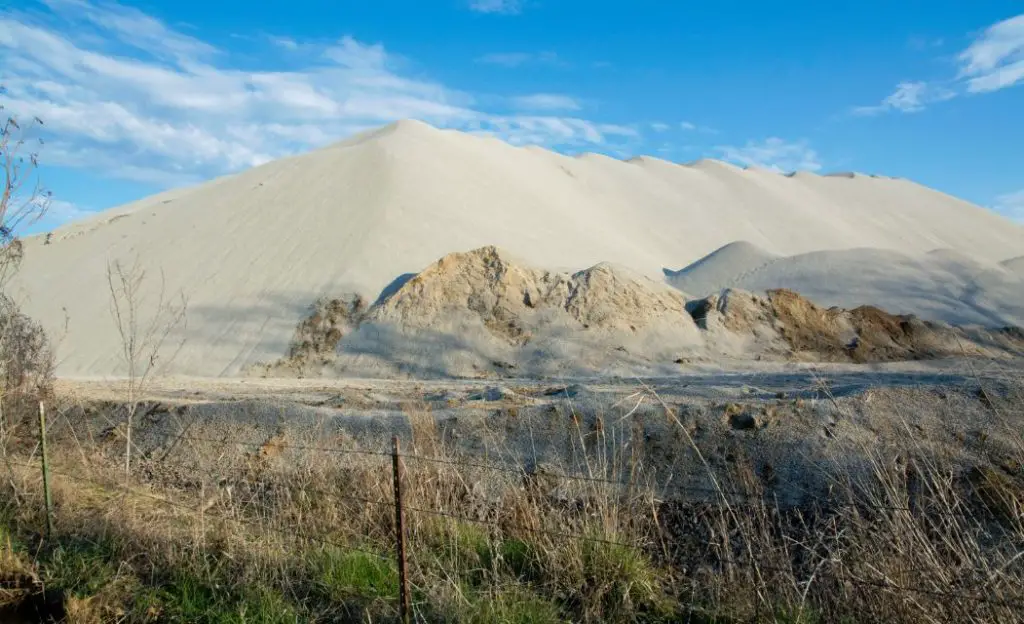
[{"x": 353, "y": 223}]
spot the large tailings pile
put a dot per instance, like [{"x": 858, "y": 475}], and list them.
[{"x": 251, "y": 250}]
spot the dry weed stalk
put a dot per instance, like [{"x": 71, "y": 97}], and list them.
[{"x": 142, "y": 340}]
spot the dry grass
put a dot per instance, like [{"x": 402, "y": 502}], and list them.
[{"x": 908, "y": 537}]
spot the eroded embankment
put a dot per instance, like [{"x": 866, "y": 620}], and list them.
[{"x": 782, "y": 430}]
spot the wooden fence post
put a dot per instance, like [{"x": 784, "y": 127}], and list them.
[
  {"x": 46, "y": 471},
  {"x": 404, "y": 605}
]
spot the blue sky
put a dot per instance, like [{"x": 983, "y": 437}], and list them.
[{"x": 139, "y": 97}]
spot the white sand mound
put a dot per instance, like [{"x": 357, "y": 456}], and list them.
[
  {"x": 942, "y": 285},
  {"x": 721, "y": 267},
  {"x": 253, "y": 250}
]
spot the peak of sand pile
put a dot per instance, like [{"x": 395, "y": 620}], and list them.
[{"x": 252, "y": 250}]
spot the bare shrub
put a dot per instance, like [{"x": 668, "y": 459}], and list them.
[
  {"x": 26, "y": 362},
  {"x": 142, "y": 339}
]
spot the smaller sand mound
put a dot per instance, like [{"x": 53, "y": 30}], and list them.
[{"x": 720, "y": 268}]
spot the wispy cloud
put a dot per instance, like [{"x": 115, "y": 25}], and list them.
[
  {"x": 689, "y": 126},
  {"x": 516, "y": 59},
  {"x": 127, "y": 96},
  {"x": 569, "y": 131},
  {"x": 546, "y": 101},
  {"x": 909, "y": 97},
  {"x": 503, "y": 7},
  {"x": 996, "y": 59},
  {"x": 773, "y": 153},
  {"x": 1011, "y": 205},
  {"x": 993, "y": 61}
]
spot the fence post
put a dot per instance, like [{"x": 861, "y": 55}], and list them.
[
  {"x": 404, "y": 606},
  {"x": 46, "y": 471}
]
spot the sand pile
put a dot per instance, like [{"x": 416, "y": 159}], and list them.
[
  {"x": 252, "y": 251},
  {"x": 484, "y": 312}
]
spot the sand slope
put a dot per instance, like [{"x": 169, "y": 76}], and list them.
[{"x": 253, "y": 250}]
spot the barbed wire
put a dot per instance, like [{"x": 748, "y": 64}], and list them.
[{"x": 727, "y": 496}]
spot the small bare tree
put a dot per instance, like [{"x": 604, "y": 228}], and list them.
[
  {"x": 142, "y": 340},
  {"x": 26, "y": 363}
]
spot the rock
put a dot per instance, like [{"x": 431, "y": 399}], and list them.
[{"x": 493, "y": 393}]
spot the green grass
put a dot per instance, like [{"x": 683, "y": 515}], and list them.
[
  {"x": 80, "y": 568},
  {"x": 345, "y": 575},
  {"x": 190, "y": 598},
  {"x": 513, "y": 605}
]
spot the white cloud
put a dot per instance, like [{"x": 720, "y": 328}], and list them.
[
  {"x": 1011, "y": 205},
  {"x": 993, "y": 61},
  {"x": 546, "y": 101},
  {"x": 909, "y": 97},
  {"x": 660, "y": 126},
  {"x": 996, "y": 59},
  {"x": 132, "y": 27},
  {"x": 177, "y": 110},
  {"x": 540, "y": 130},
  {"x": 689, "y": 126},
  {"x": 775, "y": 154},
  {"x": 504, "y": 7},
  {"x": 285, "y": 42}
]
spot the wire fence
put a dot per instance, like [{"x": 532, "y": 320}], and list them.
[{"x": 396, "y": 504}]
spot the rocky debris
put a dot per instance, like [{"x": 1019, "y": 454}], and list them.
[
  {"x": 567, "y": 392},
  {"x": 493, "y": 393},
  {"x": 786, "y": 324},
  {"x": 318, "y": 335}
]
